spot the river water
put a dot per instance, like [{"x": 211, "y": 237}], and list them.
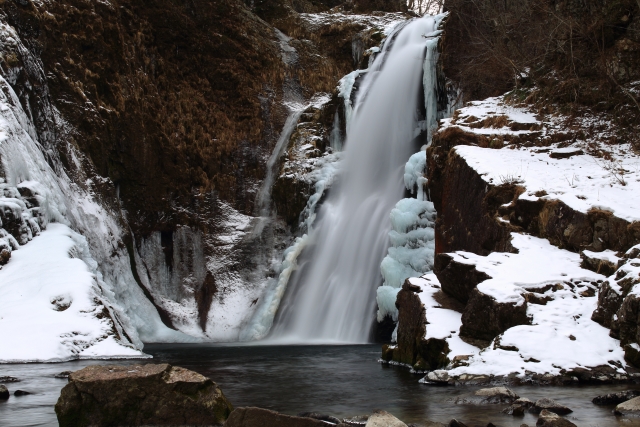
[{"x": 338, "y": 380}]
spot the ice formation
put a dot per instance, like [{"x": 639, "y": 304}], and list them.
[{"x": 35, "y": 193}]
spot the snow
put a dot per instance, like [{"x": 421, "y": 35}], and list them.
[
  {"x": 51, "y": 307},
  {"x": 442, "y": 323},
  {"x": 606, "y": 255},
  {"x": 384, "y": 22},
  {"x": 562, "y": 334},
  {"x": 599, "y": 175},
  {"x": 581, "y": 182},
  {"x": 28, "y": 164}
]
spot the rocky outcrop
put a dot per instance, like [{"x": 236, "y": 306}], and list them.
[
  {"x": 630, "y": 408},
  {"x": 619, "y": 305},
  {"x": 140, "y": 395},
  {"x": 476, "y": 216},
  {"x": 489, "y": 396},
  {"x": 550, "y": 419},
  {"x": 457, "y": 279},
  {"x": 484, "y": 318},
  {"x": 615, "y": 398},
  {"x": 550, "y": 405},
  {"x": 258, "y": 417},
  {"x": 4, "y": 392},
  {"x": 412, "y": 348},
  {"x": 384, "y": 419}
]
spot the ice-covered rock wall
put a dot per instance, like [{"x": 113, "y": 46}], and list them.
[{"x": 72, "y": 279}]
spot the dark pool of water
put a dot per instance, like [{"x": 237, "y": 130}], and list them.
[{"x": 338, "y": 380}]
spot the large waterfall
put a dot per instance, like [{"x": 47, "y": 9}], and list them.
[{"x": 331, "y": 298}]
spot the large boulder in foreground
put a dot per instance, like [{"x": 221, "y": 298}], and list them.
[
  {"x": 258, "y": 417},
  {"x": 135, "y": 395}
]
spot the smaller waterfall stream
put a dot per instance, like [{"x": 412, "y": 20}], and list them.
[{"x": 332, "y": 297}]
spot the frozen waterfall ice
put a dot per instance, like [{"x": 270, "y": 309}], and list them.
[{"x": 332, "y": 296}]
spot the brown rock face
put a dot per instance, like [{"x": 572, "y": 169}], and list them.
[
  {"x": 412, "y": 349},
  {"x": 140, "y": 395},
  {"x": 484, "y": 318},
  {"x": 457, "y": 279},
  {"x": 258, "y": 417}
]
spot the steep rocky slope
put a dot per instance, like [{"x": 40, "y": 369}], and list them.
[
  {"x": 158, "y": 120},
  {"x": 536, "y": 194}
]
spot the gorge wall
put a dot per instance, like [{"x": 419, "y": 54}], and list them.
[{"x": 163, "y": 114}]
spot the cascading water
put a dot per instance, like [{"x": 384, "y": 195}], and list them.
[{"x": 332, "y": 297}]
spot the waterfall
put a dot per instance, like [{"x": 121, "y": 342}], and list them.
[{"x": 331, "y": 298}]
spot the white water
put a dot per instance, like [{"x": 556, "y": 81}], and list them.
[{"x": 333, "y": 300}]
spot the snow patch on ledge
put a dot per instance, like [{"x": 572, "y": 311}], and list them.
[
  {"x": 51, "y": 308},
  {"x": 562, "y": 334},
  {"x": 582, "y": 182}
]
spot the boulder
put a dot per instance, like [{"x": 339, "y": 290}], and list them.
[
  {"x": 137, "y": 395},
  {"x": 493, "y": 395},
  {"x": 515, "y": 410},
  {"x": 456, "y": 423},
  {"x": 4, "y": 393},
  {"x": 319, "y": 416},
  {"x": 358, "y": 420},
  {"x": 551, "y": 419},
  {"x": 384, "y": 419},
  {"x": 523, "y": 401},
  {"x": 437, "y": 377},
  {"x": 63, "y": 375},
  {"x": 484, "y": 318},
  {"x": 21, "y": 393},
  {"x": 615, "y": 398},
  {"x": 258, "y": 417},
  {"x": 4, "y": 380},
  {"x": 629, "y": 408},
  {"x": 549, "y": 405}
]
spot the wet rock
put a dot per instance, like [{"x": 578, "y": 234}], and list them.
[
  {"x": 496, "y": 395},
  {"x": 485, "y": 318},
  {"x": 319, "y": 416},
  {"x": 523, "y": 401},
  {"x": 493, "y": 395},
  {"x": 549, "y": 405},
  {"x": 4, "y": 392},
  {"x": 4, "y": 380},
  {"x": 515, "y": 410},
  {"x": 384, "y": 419},
  {"x": 358, "y": 420},
  {"x": 387, "y": 352},
  {"x": 630, "y": 408},
  {"x": 63, "y": 375},
  {"x": 437, "y": 377},
  {"x": 551, "y": 419},
  {"x": 456, "y": 423},
  {"x": 258, "y": 417},
  {"x": 615, "y": 398},
  {"x": 427, "y": 424},
  {"x": 21, "y": 393},
  {"x": 140, "y": 395}
]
